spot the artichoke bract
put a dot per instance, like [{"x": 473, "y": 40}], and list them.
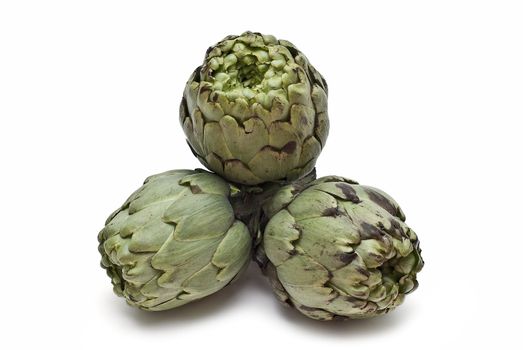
[
  {"x": 335, "y": 249},
  {"x": 175, "y": 240},
  {"x": 256, "y": 110}
]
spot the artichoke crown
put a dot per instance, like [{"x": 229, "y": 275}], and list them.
[{"x": 256, "y": 110}]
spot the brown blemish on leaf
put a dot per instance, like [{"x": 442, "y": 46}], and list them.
[
  {"x": 308, "y": 308},
  {"x": 349, "y": 192},
  {"x": 347, "y": 258},
  {"x": 353, "y": 300},
  {"x": 363, "y": 271},
  {"x": 304, "y": 120},
  {"x": 293, "y": 51},
  {"x": 195, "y": 189},
  {"x": 395, "y": 229},
  {"x": 383, "y": 202},
  {"x": 289, "y": 148},
  {"x": 331, "y": 212},
  {"x": 370, "y": 231}
]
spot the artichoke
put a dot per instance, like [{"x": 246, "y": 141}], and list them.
[
  {"x": 336, "y": 249},
  {"x": 175, "y": 240},
  {"x": 256, "y": 110}
]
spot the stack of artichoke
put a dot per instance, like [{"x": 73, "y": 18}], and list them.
[{"x": 255, "y": 114}]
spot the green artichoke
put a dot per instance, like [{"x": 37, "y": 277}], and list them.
[
  {"x": 175, "y": 240},
  {"x": 336, "y": 249},
  {"x": 256, "y": 110}
]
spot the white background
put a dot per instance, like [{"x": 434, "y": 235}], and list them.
[{"x": 426, "y": 102}]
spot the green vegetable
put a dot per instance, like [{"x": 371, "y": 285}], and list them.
[
  {"x": 175, "y": 240},
  {"x": 255, "y": 113},
  {"x": 256, "y": 110},
  {"x": 336, "y": 249}
]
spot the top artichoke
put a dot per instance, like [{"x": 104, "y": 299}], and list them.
[{"x": 256, "y": 110}]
